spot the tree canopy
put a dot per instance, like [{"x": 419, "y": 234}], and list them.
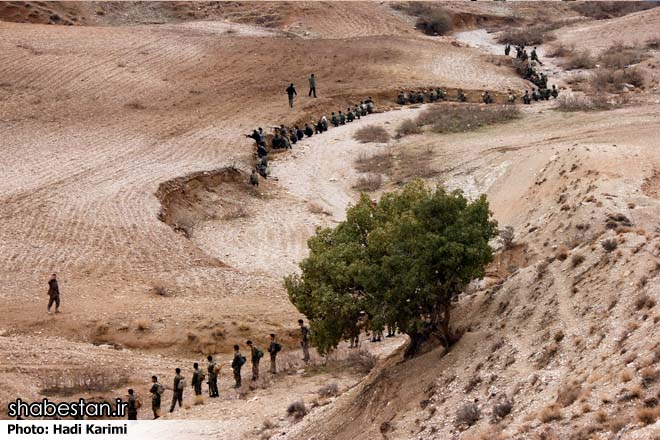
[{"x": 398, "y": 262}]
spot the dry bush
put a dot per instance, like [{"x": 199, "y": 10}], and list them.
[
  {"x": 619, "y": 56},
  {"x": 576, "y": 260},
  {"x": 653, "y": 43},
  {"x": 135, "y": 105},
  {"x": 602, "y": 10},
  {"x": 467, "y": 415},
  {"x": 641, "y": 301},
  {"x": 617, "y": 424},
  {"x": 560, "y": 50},
  {"x": 407, "y": 127},
  {"x": 615, "y": 81},
  {"x": 142, "y": 324},
  {"x": 626, "y": 375},
  {"x": 69, "y": 382},
  {"x": 369, "y": 182},
  {"x": 576, "y": 103},
  {"x": 648, "y": 415},
  {"x": 372, "y": 133},
  {"x": 297, "y": 409},
  {"x": 506, "y": 235},
  {"x": 376, "y": 163},
  {"x": 568, "y": 394},
  {"x": 548, "y": 354},
  {"x": 579, "y": 60},
  {"x": 550, "y": 413},
  {"x": 317, "y": 208},
  {"x": 236, "y": 212},
  {"x": 435, "y": 21},
  {"x": 465, "y": 117},
  {"x": 649, "y": 375},
  {"x": 562, "y": 253},
  {"x": 502, "y": 408},
  {"x": 199, "y": 400},
  {"x": 160, "y": 290},
  {"x": 528, "y": 36},
  {"x": 609, "y": 244},
  {"x": 360, "y": 360},
  {"x": 329, "y": 390}
]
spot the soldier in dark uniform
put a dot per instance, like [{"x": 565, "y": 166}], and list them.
[
  {"x": 255, "y": 357},
  {"x": 156, "y": 391},
  {"x": 254, "y": 178},
  {"x": 177, "y": 389},
  {"x": 342, "y": 118},
  {"x": 461, "y": 96},
  {"x": 132, "y": 407},
  {"x": 350, "y": 116},
  {"x": 554, "y": 92},
  {"x": 213, "y": 377},
  {"x": 273, "y": 349},
  {"x": 334, "y": 119},
  {"x": 535, "y": 57},
  {"x": 487, "y": 98},
  {"x": 526, "y": 99},
  {"x": 53, "y": 293},
  {"x": 236, "y": 365},
  {"x": 401, "y": 100},
  {"x": 291, "y": 92},
  {"x": 299, "y": 133},
  {"x": 507, "y": 49},
  {"x": 197, "y": 378},
  {"x": 309, "y": 131},
  {"x": 304, "y": 340}
]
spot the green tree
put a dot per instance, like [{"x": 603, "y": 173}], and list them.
[{"x": 400, "y": 261}]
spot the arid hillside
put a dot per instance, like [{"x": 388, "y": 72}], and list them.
[{"x": 125, "y": 170}]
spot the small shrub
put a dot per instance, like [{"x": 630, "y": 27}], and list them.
[
  {"x": 609, "y": 244},
  {"x": 467, "y": 415},
  {"x": 199, "y": 400},
  {"x": 614, "y": 81},
  {"x": 329, "y": 390},
  {"x": 236, "y": 212},
  {"x": 550, "y": 413},
  {"x": 560, "y": 50},
  {"x": 135, "y": 105},
  {"x": 619, "y": 56},
  {"x": 465, "y": 117},
  {"x": 369, "y": 182},
  {"x": 317, "y": 208},
  {"x": 641, "y": 301},
  {"x": 143, "y": 324},
  {"x": 579, "y": 60},
  {"x": 653, "y": 43},
  {"x": 506, "y": 236},
  {"x": 576, "y": 260},
  {"x": 407, "y": 127},
  {"x": 435, "y": 22},
  {"x": 377, "y": 163},
  {"x": 568, "y": 394},
  {"x": 647, "y": 415},
  {"x": 577, "y": 103},
  {"x": 297, "y": 409},
  {"x": 372, "y": 133},
  {"x": 67, "y": 383},
  {"x": 528, "y": 36},
  {"x": 502, "y": 408},
  {"x": 626, "y": 375},
  {"x": 602, "y": 10}
]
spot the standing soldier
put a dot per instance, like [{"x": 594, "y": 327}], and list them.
[
  {"x": 554, "y": 92},
  {"x": 53, "y": 293},
  {"x": 197, "y": 378},
  {"x": 312, "y": 86},
  {"x": 535, "y": 57},
  {"x": 236, "y": 365},
  {"x": 274, "y": 348},
  {"x": 254, "y": 178},
  {"x": 461, "y": 96},
  {"x": 132, "y": 405},
  {"x": 177, "y": 389},
  {"x": 291, "y": 91},
  {"x": 526, "y": 99},
  {"x": 213, "y": 377},
  {"x": 156, "y": 394},
  {"x": 350, "y": 116},
  {"x": 304, "y": 340},
  {"x": 507, "y": 49},
  {"x": 255, "y": 357}
]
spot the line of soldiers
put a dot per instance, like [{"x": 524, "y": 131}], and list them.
[
  {"x": 422, "y": 96},
  {"x": 212, "y": 374},
  {"x": 285, "y": 138},
  {"x": 529, "y": 72}
]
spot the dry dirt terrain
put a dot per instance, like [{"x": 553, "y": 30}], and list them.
[{"x": 125, "y": 171}]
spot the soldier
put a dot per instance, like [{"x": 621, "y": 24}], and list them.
[
  {"x": 236, "y": 365},
  {"x": 363, "y": 108},
  {"x": 156, "y": 391},
  {"x": 350, "y": 116},
  {"x": 213, "y": 371},
  {"x": 357, "y": 112},
  {"x": 255, "y": 357},
  {"x": 391, "y": 331},
  {"x": 274, "y": 348},
  {"x": 534, "y": 56},
  {"x": 441, "y": 94},
  {"x": 535, "y": 95},
  {"x": 262, "y": 137},
  {"x": 334, "y": 119},
  {"x": 312, "y": 86},
  {"x": 524, "y": 55},
  {"x": 262, "y": 167},
  {"x": 554, "y": 92},
  {"x": 318, "y": 128},
  {"x": 507, "y": 49},
  {"x": 254, "y": 135},
  {"x": 132, "y": 405},
  {"x": 254, "y": 178},
  {"x": 304, "y": 340},
  {"x": 299, "y": 133},
  {"x": 342, "y": 118},
  {"x": 291, "y": 92},
  {"x": 293, "y": 137},
  {"x": 177, "y": 388},
  {"x": 433, "y": 96},
  {"x": 487, "y": 98},
  {"x": 370, "y": 105},
  {"x": 197, "y": 378},
  {"x": 461, "y": 96},
  {"x": 324, "y": 123},
  {"x": 277, "y": 141},
  {"x": 308, "y": 130},
  {"x": 53, "y": 293},
  {"x": 526, "y": 99},
  {"x": 401, "y": 100},
  {"x": 511, "y": 99},
  {"x": 283, "y": 131}
]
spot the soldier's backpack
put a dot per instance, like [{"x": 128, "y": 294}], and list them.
[
  {"x": 160, "y": 389},
  {"x": 138, "y": 403},
  {"x": 202, "y": 376},
  {"x": 182, "y": 384},
  {"x": 260, "y": 354},
  {"x": 277, "y": 347},
  {"x": 216, "y": 369},
  {"x": 242, "y": 360}
]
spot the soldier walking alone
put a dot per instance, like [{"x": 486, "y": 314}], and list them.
[
  {"x": 291, "y": 91},
  {"x": 177, "y": 389},
  {"x": 213, "y": 377},
  {"x": 304, "y": 340},
  {"x": 274, "y": 348},
  {"x": 156, "y": 394},
  {"x": 312, "y": 86},
  {"x": 53, "y": 293}
]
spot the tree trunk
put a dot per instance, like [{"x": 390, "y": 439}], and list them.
[
  {"x": 416, "y": 340},
  {"x": 446, "y": 331}
]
